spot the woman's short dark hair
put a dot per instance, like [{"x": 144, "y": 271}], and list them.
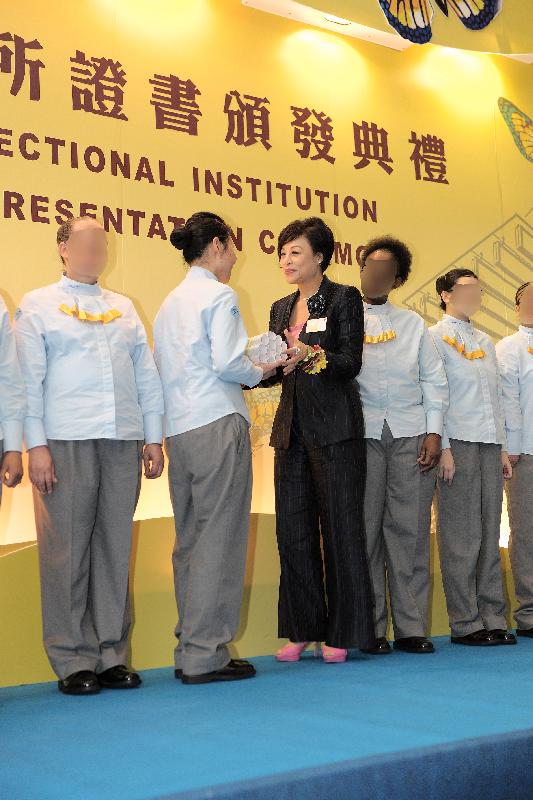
[
  {"x": 400, "y": 251},
  {"x": 520, "y": 292},
  {"x": 318, "y": 234},
  {"x": 446, "y": 282},
  {"x": 197, "y": 233}
]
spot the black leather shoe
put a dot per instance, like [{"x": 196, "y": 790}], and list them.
[
  {"x": 381, "y": 648},
  {"x": 502, "y": 637},
  {"x": 527, "y": 632},
  {"x": 236, "y": 670},
  {"x": 481, "y": 638},
  {"x": 82, "y": 682},
  {"x": 119, "y": 677},
  {"x": 414, "y": 644}
]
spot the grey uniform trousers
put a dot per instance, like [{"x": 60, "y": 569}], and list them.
[
  {"x": 210, "y": 479},
  {"x": 84, "y": 531},
  {"x": 468, "y": 532},
  {"x": 397, "y": 532},
  {"x": 519, "y": 492}
]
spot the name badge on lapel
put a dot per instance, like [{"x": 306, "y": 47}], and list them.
[{"x": 316, "y": 325}]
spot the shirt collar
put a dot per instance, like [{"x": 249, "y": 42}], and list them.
[
  {"x": 526, "y": 331},
  {"x": 461, "y": 323},
  {"x": 200, "y": 272},
  {"x": 76, "y": 287},
  {"x": 378, "y": 308}
]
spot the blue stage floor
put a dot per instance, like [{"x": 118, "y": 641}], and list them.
[{"x": 456, "y": 724}]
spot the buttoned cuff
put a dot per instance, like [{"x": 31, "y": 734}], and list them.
[
  {"x": 153, "y": 428},
  {"x": 514, "y": 442},
  {"x": 434, "y": 422},
  {"x": 34, "y": 434},
  {"x": 12, "y": 430},
  {"x": 444, "y": 442}
]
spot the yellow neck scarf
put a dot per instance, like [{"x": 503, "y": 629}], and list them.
[
  {"x": 461, "y": 349},
  {"x": 386, "y": 336},
  {"x": 84, "y": 316}
]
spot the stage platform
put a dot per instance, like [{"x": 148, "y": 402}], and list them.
[{"x": 456, "y": 724}]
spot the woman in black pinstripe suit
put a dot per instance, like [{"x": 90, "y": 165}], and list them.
[{"x": 319, "y": 467}]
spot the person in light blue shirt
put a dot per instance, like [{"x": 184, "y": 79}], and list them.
[
  {"x": 515, "y": 357},
  {"x": 472, "y": 468},
  {"x": 200, "y": 342},
  {"x": 94, "y": 414},
  {"x": 405, "y": 395},
  {"x": 12, "y": 405}
]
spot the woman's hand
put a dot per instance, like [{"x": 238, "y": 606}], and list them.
[
  {"x": 514, "y": 459},
  {"x": 429, "y": 452},
  {"x": 296, "y": 353},
  {"x": 11, "y": 471},
  {"x": 507, "y": 466},
  {"x": 41, "y": 469},
  {"x": 446, "y": 469},
  {"x": 269, "y": 370},
  {"x": 154, "y": 460}
]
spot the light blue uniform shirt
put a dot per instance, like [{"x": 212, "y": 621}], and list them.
[
  {"x": 86, "y": 379},
  {"x": 475, "y": 413},
  {"x": 402, "y": 380},
  {"x": 515, "y": 357},
  {"x": 12, "y": 398},
  {"x": 199, "y": 347}
]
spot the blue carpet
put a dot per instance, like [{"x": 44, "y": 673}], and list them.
[{"x": 453, "y": 724}]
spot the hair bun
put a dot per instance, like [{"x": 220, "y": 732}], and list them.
[{"x": 179, "y": 237}]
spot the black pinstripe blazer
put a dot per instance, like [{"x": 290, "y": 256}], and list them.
[{"x": 329, "y": 407}]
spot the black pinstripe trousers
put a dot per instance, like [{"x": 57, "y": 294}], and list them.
[{"x": 320, "y": 490}]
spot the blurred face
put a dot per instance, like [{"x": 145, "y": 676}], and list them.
[
  {"x": 379, "y": 274},
  {"x": 298, "y": 262},
  {"x": 85, "y": 251},
  {"x": 525, "y": 307},
  {"x": 222, "y": 257},
  {"x": 464, "y": 298}
]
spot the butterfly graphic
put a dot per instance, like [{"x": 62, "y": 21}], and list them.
[
  {"x": 412, "y": 18},
  {"x": 520, "y": 125}
]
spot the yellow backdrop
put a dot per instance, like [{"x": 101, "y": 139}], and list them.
[{"x": 142, "y": 113}]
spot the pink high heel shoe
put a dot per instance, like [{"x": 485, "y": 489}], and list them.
[
  {"x": 333, "y": 655},
  {"x": 292, "y": 651}
]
